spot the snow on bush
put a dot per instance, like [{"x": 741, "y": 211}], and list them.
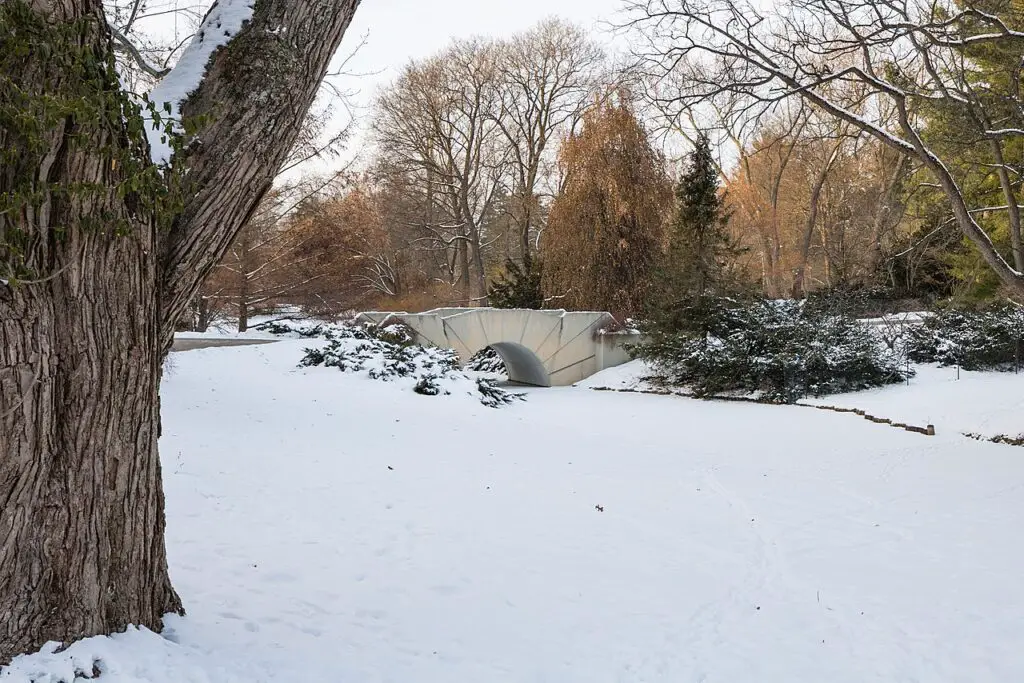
[
  {"x": 487, "y": 360},
  {"x": 294, "y": 328},
  {"x": 777, "y": 351},
  {"x": 382, "y": 353},
  {"x": 974, "y": 340},
  {"x": 389, "y": 354}
]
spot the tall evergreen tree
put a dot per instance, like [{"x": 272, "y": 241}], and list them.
[
  {"x": 986, "y": 166},
  {"x": 700, "y": 248},
  {"x": 518, "y": 286}
]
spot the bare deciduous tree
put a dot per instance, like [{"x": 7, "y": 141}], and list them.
[
  {"x": 435, "y": 124},
  {"x": 901, "y": 56},
  {"x": 263, "y": 265},
  {"x": 548, "y": 76}
]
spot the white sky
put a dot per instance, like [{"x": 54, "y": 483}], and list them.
[
  {"x": 400, "y": 30},
  {"x": 397, "y": 31}
]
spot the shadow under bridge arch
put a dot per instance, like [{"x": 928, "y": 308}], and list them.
[{"x": 523, "y": 365}]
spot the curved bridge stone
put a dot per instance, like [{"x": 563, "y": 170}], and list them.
[{"x": 541, "y": 348}]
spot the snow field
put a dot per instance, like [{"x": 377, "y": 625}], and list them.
[
  {"x": 955, "y": 401},
  {"x": 326, "y": 527}
]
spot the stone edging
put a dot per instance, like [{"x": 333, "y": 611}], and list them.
[{"x": 927, "y": 431}]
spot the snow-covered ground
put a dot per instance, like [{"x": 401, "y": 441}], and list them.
[
  {"x": 326, "y": 527},
  {"x": 626, "y": 377},
  {"x": 954, "y": 401}
]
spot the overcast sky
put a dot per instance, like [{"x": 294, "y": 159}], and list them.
[
  {"x": 397, "y": 31},
  {"x": 400, "y": 30}
]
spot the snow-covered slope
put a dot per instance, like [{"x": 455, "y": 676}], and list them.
[
  {"x": 323, "y": 527},
  {"x": 954, "y": 401},
  {"x": 984, "y": 403},
  {"x": 628, "y": 376}
]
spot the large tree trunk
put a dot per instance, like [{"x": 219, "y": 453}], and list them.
[
  {"x": 769, "y": 267},
  {"x": 478, "y": 297},
  {"x": 243, "y": 313},
  {"x": 524, "y": 242},
  {"x": 81, "y": 502},
  {"x": 91, "y": 290},
  {"x": 463, "y": 282},
  {"x": 82, "y": 522},
  {"x": 203, "y": 314},
  {"x": 527, "y": 222}
]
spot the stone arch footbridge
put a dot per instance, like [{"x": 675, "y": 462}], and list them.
[{"x": 540, "y": 348}]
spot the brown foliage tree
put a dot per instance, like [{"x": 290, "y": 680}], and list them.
[
  {"x": 607, "y": 226},
  {"x": 817, "y": 207},
  {"x": 362, "y": 263},
  {"x": 273, "y": 261}
]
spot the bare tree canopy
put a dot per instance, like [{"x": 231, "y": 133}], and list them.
[
  {"x": 548, "y": 76},
  {"x": 435, "y": 124},
  {"x": 874, "y": 65},
  {"x": 473, "y": 130}
]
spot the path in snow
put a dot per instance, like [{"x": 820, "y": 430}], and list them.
[
  {"x": 323, "y": 527},
  {"x": 193, "y": 343}
]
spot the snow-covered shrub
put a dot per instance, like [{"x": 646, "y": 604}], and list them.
[
  {"x": 976, "y": 340},
  {"x": 298, "y": 328},
  {"x": 486, "y": 360},
  {"x": 492, "y": 395},
  {"x": 396, "y": 334},
  {"x": 428, "y": 386},
  {"x": 389, "y": 354},
  {"x": 383, "y": 353},
  {"x": 776, "y": 350}
]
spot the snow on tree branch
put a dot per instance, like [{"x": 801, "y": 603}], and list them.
[{"x": 224, "y": 20}]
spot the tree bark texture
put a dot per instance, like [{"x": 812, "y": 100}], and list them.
[
  {"x": 81, "y": 503},
  {"x": 82, "y": 339},
  {"x": 243, "y": 314}
]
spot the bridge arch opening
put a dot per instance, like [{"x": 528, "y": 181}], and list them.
[{"x": 523, "y": 365}]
